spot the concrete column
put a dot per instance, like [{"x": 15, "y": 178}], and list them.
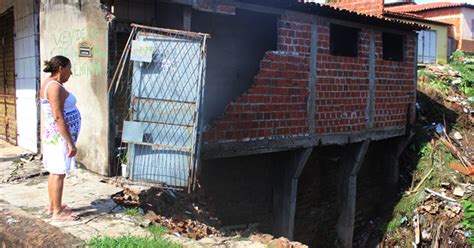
[
  {"x": 391, "y": 161},
  {"x": 187, "y": 13},
  {"x": 350, "y": 165},
  {"x": 285, "y": 190}
]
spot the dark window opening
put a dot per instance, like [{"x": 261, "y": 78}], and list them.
[
  {"x": 343, "y": 41},
  {"x": 392, "y": 47}
]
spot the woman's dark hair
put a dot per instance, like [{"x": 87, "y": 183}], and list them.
[{"x": 54, "y": 63}]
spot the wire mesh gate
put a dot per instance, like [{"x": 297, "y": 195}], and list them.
[{"x": 164, "y": 72}]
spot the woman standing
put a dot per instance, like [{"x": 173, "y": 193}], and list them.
[{"x": 60, "y": 132}]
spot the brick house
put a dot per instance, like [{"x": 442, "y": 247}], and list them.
[
  {"x": 293, "y": 91},
  {"x": 459, "y": 15},
  {"x": 432, "y": 43}
]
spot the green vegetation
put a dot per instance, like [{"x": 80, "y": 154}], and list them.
[
  {"x": 155, "y": 239},
  {"x": 132, "y": 212},
  {"x": 430, "y": 156},
  {"x": 466, "y": 70},
  {"x": 468, "y": 221},
  {"x": 459, "y": 62}
]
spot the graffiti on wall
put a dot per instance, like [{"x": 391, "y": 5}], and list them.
[{"x": 66, "y": 43}]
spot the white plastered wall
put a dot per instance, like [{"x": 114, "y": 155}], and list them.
[
  {"x": 466, "y": 24},
  {"x": 82, "y": 23},
  {"x": 26, "y": 70}
]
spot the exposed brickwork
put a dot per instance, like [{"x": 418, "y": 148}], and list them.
[
  {"x": 371, "y": 7},
  {"x": 394, "y": 85},
  {"x": 341, "y": 87},
  {"x": 277, "y": 103},
  {"x": 467, "y": 46}
]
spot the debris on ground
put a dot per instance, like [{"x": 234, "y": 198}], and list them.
[
  {"x": 27, "y": 165},
  {"x": 182, "y": 214},
  {"x": 438, "y": 183},
  {"x": 187, "y": 215}
]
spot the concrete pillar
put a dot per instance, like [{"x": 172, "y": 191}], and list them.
[
  {"x": 350, "y": 165},
  {"x": 395, "y": 147},
  {"x": 285, "y": 190}
]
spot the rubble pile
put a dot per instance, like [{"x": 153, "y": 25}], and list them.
[
  {"x": 455, "y": 88},
  {"x": 462, "y": 149},
  {"x": 438, "y": 179},
  {"x": 434, "y": 218},
  {"x": 182, "y": 214},
  {"x": 187, "y": 216}
]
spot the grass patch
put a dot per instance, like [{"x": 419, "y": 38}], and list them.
[
  {"x": 132, "y": 212},
  {"x": 241, "y": 238},
  {"x": 468, "y": 222},
  {"x": 431, "y": 156},
  {"x": 154, "y": 239}
]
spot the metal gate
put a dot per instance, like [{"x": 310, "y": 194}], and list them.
[
  {"x": 165, "y": 78},
  {"x": 7, "y": 79}
]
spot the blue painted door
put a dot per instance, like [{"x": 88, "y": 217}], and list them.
[{"x": 165, "y": 110}]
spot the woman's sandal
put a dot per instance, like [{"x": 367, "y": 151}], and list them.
[
  {"x": 65, "y": 208},
  {"x": 65, "y": 216}
]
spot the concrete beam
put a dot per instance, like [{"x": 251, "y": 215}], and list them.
[
  {"x": 285, "y": 192},
  {"x": 351, "y": 163},
  {"x": 277, "y": 144}
]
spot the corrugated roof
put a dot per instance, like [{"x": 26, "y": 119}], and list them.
[
  {"x": 428, "y": 6},
  {"x": 334, "y": 12}
]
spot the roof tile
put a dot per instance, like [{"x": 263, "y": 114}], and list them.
[{"x": 410, "y": 8}]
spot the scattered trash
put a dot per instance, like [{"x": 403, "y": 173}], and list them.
[
  {"x": 458, "y": 191},
  {"x": 416, "y": 226},
  {"x": 457, "y": 135},
  {"x": 11, "y": 220},
  {"x": 469, "y": 171},
  {"x": 441, "y": 196}
]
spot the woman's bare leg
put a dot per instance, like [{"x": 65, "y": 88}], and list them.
[
  {"x": 50, "y": 192},
  {"x": 56, "y": 192}
]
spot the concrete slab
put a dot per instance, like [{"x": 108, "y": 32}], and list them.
[
  {"x": 83, "y": 191},
  {"x": 88, "y": 197}
]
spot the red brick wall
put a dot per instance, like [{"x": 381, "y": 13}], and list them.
[
  {"x": 276, "y": 104},
  {"x": 341, "y": 87},
  {"x": 467, "y": 46},
  {"x": 394, "y": 86},
  {"x": 372, "y": 7}
]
